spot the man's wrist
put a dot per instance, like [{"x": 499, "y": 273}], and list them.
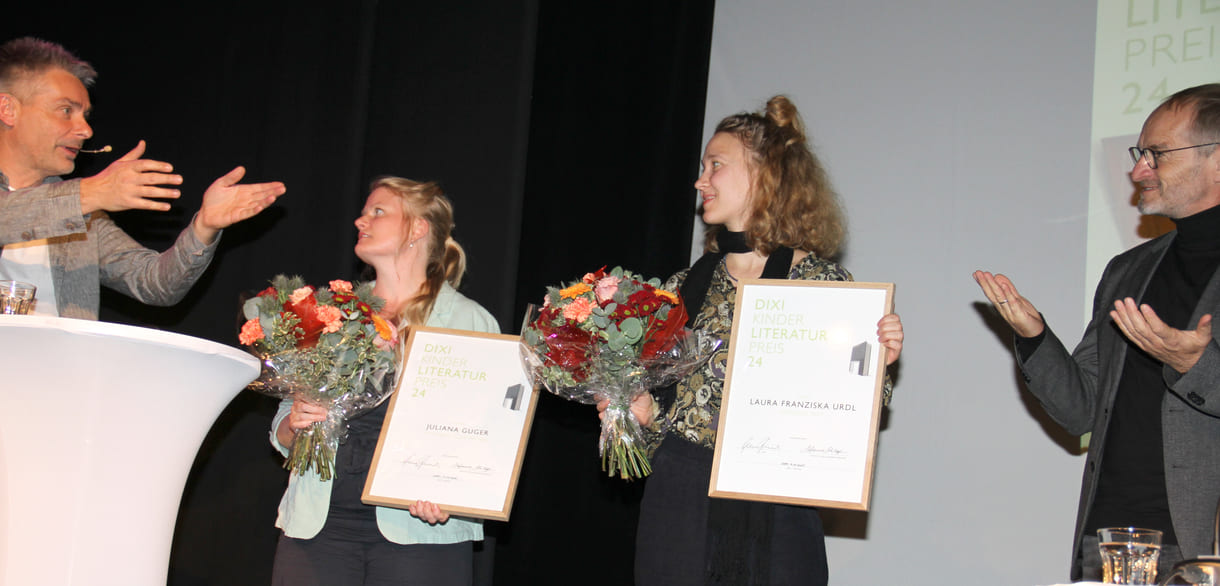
[
  {"x": 204, "y": 234},
  {"x": 87, "y": 192}
]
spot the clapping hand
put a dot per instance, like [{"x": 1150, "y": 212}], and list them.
[
  {"x": 1020, "y": 314},
  {"x": 1180, "y": 349}
]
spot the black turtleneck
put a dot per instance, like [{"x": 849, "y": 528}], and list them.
[{"x": 1131, "y": 488}]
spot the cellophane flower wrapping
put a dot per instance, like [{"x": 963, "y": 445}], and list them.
[
  {"x": 323, "y": 345},
  {"x": 612, "y": 336}
]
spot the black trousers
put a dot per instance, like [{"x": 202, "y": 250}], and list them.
[
  {"x": 687, "y": 538},
  {"x": 350, "y": 550},
  {"x": 331, "y": 560}
]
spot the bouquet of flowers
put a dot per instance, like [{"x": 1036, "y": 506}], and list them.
[
  {"x": 611, "y": 336},
  {"x": 326, "y": 346}
]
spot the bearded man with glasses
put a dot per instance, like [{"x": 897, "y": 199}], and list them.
[{"x": 1145, "y": 378}]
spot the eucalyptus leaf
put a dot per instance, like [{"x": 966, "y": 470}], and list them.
[
  {"x": 632, "y": 329},
  {"x": 250, "y": 308},
  {"x": 531, "y": 337}
]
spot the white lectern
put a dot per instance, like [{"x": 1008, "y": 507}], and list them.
[{"x": 99, "y": 425}]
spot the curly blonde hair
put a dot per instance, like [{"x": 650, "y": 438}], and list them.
[
  {"x": 792, "y": 202},
  {"x": 446, "y": 259}
]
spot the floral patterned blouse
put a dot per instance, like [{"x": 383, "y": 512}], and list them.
[{"x": 695, "y": 411}]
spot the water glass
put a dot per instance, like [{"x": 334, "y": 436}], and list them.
[
  {"x": 1129, "y": 554},
  {"x": 16, "y": 297}
]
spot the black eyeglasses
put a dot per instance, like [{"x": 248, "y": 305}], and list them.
[{"x": 1152, "y": 154}]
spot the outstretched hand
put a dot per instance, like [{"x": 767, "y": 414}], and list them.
[
  {"x": 1020, "y": 314},
  {"x": 130, "y": 183},
  {"x": 1180, "y": 349},
  {"x": 226, "y": 202}
]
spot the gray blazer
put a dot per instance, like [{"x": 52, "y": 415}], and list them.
[
  {"x": 90, "y": 251},
  {"x": 1078, "y": 391}
]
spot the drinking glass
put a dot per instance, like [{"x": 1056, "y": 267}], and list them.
[
  {"x": 1129, "y": 554},
  {"x": 16, "y": 297}
]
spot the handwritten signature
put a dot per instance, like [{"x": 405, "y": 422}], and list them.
[
  {"x": 759, "y": 446},
  {"x": 824, "y": 451},
  {"x": 445, "y": 462}
]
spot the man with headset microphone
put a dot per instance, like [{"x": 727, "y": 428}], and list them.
[{"x": 56, "y": 234}]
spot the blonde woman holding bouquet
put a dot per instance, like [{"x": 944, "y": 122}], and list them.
[
  {"x": 329, "y": 536},
  {"x": 774, "y": 215}
]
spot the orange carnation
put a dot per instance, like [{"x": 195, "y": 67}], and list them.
[
  {"x": 331, "y": 316},
  {"x": 251, "y": 332},
  {"x": 578, "y": 310},
  {"x": 300, "y": 294}
]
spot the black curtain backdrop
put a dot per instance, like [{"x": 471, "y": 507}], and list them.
[
  {"x": 615, "y": 133},
  {"x": 567, "y": 135}
]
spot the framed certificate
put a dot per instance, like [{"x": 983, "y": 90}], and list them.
[
  {"x": 456, "y": 429},
  {"x": 802, "y": 393}
]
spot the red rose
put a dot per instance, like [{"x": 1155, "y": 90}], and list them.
[
  {"x": 307, "y": 311},
  {"x": 546, "y": 316},
  {"x": 266, "y": 292},
  {"x": 663, "y": 334},
  {"x": 568, "y": 346}
]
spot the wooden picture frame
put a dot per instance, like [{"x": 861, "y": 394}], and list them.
[
  {"x": 802, "y": 393},
  {"x": 457, "y": 427}
]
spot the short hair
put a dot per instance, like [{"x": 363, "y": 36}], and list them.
[
  {"x": 1204, "y": 101},
  {"x": 21, "y": 59},
  {"x": 446, "y": 259},
  {"x": 792, "y": 201}
]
